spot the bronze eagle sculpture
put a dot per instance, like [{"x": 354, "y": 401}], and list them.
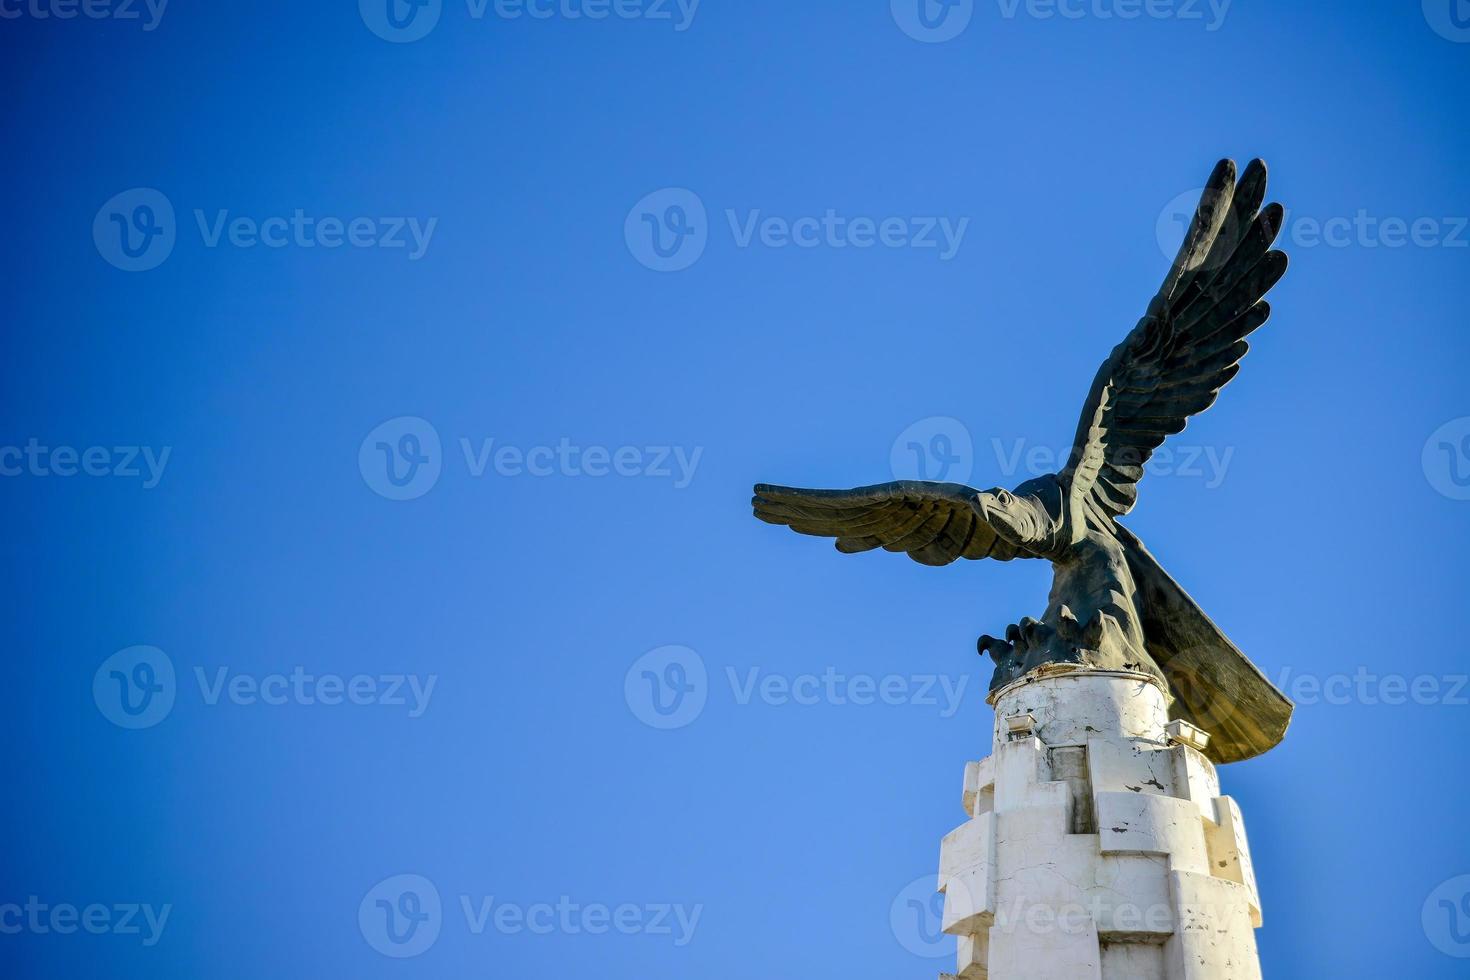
[{"x": 1112, "y": 606}]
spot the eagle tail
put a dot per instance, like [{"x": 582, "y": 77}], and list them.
[{"x": 1215, "y": 687}]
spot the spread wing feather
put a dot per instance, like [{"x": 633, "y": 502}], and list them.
[
  {"x": 1186, "y": 348},
  {"x": 933, "y": 523}
]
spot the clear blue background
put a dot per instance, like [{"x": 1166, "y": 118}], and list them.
[{"x": 1325, "y": 549}]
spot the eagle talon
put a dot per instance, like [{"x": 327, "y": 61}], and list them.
[
  {"x": 1068, "y": 628},
  {"x": 998, "y": 649},
  {"x": 1021, "y": 639},
  {"x": 1034, "y": 633}
]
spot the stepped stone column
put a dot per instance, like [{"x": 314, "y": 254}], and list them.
[{"x": 1097, "y": 845}]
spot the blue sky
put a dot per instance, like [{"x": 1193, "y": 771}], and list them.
[{"x": 347, "y": 232}]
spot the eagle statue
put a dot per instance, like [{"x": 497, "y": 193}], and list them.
[{"x": 1112, "y": 606}]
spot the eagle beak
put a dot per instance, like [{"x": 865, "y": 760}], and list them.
[
  {"x": 990, "y": 507},
  {"x": 1000, "y": 517}
]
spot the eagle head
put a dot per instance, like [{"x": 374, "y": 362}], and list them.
[{"x": 1027, "y": 516}]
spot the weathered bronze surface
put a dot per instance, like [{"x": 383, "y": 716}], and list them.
[{"x": 1112, "y": 606}]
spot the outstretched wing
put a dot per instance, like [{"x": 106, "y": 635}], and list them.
[
  {"x": 1186, "y": 348},
  {"x": 935, "y": 523}
]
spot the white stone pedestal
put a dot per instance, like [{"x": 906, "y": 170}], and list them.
[{"x": 1098, "y": 845}]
